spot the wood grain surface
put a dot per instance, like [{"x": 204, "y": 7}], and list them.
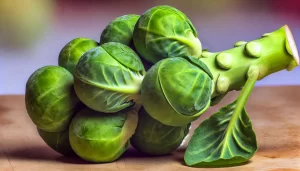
[{"x": 274, "y": 111}]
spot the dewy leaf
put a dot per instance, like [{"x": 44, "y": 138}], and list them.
[{"x": 227, "y": 137}]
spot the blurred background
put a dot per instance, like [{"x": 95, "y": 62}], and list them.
[{"x": 32, "y": 32}]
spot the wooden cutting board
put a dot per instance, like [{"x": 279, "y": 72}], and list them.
[{"x": 274, "y": 111}]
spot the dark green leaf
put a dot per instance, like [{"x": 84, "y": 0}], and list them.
[{"x": 186, "y": 87}]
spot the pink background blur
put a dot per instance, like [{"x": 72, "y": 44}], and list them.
[{"x": 41, "y": 28}]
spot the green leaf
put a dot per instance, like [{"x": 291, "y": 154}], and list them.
[
  {"x": 104, "y": 82},
  {"x": 199, "y": 64},
  {"x": 124, "y": 55},
  {"x": 216, "y": 143},
  {"x": 227, "y": 137}
]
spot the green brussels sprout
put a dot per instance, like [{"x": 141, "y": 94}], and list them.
[
  {"x": 176, "y": 91},
  {"x": 101, "y": 137},
  {"x": 120, "y": 30},
  {"x": 108, "y": 78},
  {"x": 58, "y": 141},
  {"x": 154, "y": 138},
  {"x": 50, "y": 98},
  {"x": 163, "y": 32},
  {"x": 72, "y": 52}
]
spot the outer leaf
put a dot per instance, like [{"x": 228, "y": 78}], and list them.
[
  {"x": 227, "y": 137},
  {"x": 187, "y": 89},
  {"x": 176, "y": 92},
  {"x": 200, "y": 64},
  {"x": 125, "y": 55},
  {"x": 104, "y": 81}
]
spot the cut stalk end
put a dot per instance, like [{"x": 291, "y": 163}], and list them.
[{"x": 292, "y": 48}]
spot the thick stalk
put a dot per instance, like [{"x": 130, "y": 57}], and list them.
[{"x": 273, "y": 52}]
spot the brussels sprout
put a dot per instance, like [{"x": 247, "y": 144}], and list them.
[
  {"x": 120, "y": 30},
  {"x": 50, "y": 98},
  {"x": 176, "y": 91},
  {"x": 101, "y": 137},
  {"x": 72, "y": 52},
  {"x": 154, "y": 138},
  {"x": 108, "y": 78},
  {"x": 163, "y": 32},
  {"x": 58, "y": 141}
]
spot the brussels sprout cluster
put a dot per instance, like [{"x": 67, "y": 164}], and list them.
[
  {"x": 99, "y": 100},
  {"x": 143, "y": 84}
]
